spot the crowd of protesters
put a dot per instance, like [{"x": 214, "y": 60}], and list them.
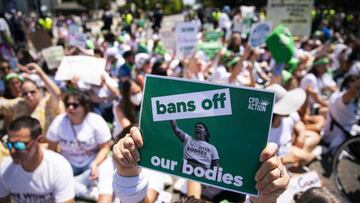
[{"x": 316, "y": 107}]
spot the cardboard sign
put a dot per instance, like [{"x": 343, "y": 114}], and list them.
[
  {"x": 40, "y": 39},
  {"x": 294, "y": 14},
  {"x": 88, "y": 68},
  {"x": 209, "y": 133},
  {"x": 299, "y": 183},
  {"x": 53, "y": 56},
  {"x": 186, "y": 38},
  {"x": 258, "y": 33}
]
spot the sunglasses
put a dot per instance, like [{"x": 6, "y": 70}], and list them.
[
  {"x": 32, "y": 92},
  {"x": 18, "y": 146},
  {"x": 75, "y": 105}
]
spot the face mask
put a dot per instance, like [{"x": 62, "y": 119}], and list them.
[
  {"x": 303, "y": 72},
  {"x": 136, "y": 99}
]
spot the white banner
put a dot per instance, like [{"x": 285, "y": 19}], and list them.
[
  {"x": 299, "y": 183},
  {"x": 88, "y": 68},
  {"x": 53, "y": 56},
  {"x": 186, "y": 38},
  {"x": 258, "y": 33},
  {"x": 191, "y": 105},
  {"x": 294, "y": 14}
]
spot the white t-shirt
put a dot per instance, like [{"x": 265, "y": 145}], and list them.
[
  {"x": 201, "y": 151},
  {"x": 317, "y": 84},
  {"x": 4, "y": 27},
  {"x": 345, "y": 115},
  {"x": 282, "y": 135},
  {"x": 79, "y": 147},
  {"x": 52, "y": 181}
]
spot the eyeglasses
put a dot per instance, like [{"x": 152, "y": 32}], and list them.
[
  {"x": 32, "y": 92},
  {"x": 75, "y": 105},
  {"x": 18, "y": 146}
]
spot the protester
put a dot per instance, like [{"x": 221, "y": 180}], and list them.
[
  {"x": 343, "y": 111},
  {"x": 48, "y": 175},
  {"x": 83, "y": 138},
  {"x": 44, "y": 108},
  {"x": 128, "y": 109}
]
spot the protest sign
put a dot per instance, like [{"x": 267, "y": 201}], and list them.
[
  {"x": 281, "y": 44},
  {"x": 186, "y": 38},
  {"x": 210, "y": 48},
  {"x": 78, "y": 40},
  {"x": 209, "y": 133},
  {"x": 88, "y": 68},
  {"x": 248, "y": 14},
  {"x": 258, "y": 33},
  {"x": 213, "y": 35},
  {"x": 53, "y": 56},
  {"x": 294, "y": 14},
  {"x": 40, "y": 39},
  {"x": 299, "y": 183}
]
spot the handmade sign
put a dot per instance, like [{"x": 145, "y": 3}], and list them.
[
  {"x": 53, "y": 56},
  {"x": 294, "y": 14},
  {"x": 299, "y": 183},
  {"x": 205, "y": 132},
  {"x": 186, "y": 38},
  {"x": 258, "y": 33},
  {"x": 88, "y": 68},
  {"x": 40, "y": 39}
]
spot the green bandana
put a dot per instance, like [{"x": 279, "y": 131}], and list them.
[
  {"x": 231, "y": 63},
  {"x": 321, "y": 61}
]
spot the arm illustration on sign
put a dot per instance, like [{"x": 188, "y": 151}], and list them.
[{"x": 197, "y": 151}]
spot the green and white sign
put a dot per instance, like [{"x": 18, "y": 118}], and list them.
[{"x": 206, "y": 132}]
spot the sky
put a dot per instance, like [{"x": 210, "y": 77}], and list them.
[{"x": 189, "y": 1}]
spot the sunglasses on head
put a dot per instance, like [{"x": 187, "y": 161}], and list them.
[
  {"x": 24, "y": 94},
  {"x": 75, "y": 105}
]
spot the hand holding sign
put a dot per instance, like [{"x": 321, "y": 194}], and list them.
[
  {"x": 271, "y": 177},
  {"x": 32, "y": 68},
  {"x": 126, "y": 154}
]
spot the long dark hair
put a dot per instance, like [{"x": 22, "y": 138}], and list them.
[
  {"x": 207, "y": 137},
  {"x": 126, "y": 106}
]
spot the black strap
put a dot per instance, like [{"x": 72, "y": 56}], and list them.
[{"x": 337, "y": 124}]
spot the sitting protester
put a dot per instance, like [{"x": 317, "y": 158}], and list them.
[
  {"x": 83, "y": 138},
  {"x": 33, "y": 174}
]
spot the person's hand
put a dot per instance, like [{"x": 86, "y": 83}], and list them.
[
  {"x": 126, "y": 154},
  {"x": 94, "y": 172},
  {"x": 271, "y": 178},
  {"x": 32, "y": 68}
]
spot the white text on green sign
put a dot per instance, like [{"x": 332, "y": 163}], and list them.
[{"x": 192, "y": 105}]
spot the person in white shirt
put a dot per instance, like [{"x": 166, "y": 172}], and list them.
[
  {"x": 344, "y": 112},
  {"x": 84, "y": 139},
  {"x": 33, "y": 174},
  {"x": 317, "y": 82}
]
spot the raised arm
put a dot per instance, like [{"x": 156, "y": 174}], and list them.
[{"x": 178, "y": 132}]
